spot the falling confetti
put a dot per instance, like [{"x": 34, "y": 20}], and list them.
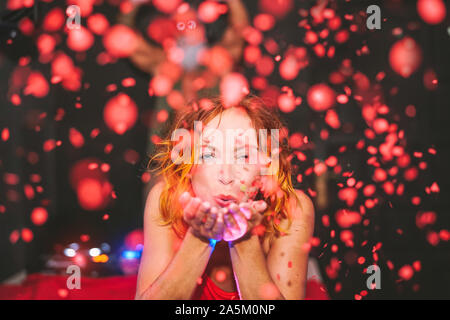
[{"x": 343, "y": 116}]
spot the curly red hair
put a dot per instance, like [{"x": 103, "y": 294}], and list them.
[{"x": 176, "y": 176}]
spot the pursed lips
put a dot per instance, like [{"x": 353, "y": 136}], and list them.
[{"x": 225, "y": 200}]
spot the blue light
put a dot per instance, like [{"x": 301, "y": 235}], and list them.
[
  {"x": 105, "y": 247},
  {"x": 212, "y": 243},
  {"x": 129, "y": 254},
  {"x": 74, "y": 246}
]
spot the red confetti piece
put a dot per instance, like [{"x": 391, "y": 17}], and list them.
[
  {"x": 80, "y": 39},
  {"x": 346, "y": 218},
  {"x": 431, "y": 11},
  {"x": 27, "y": 235},
  {"x": 221, "y": 276},
  {"x": 405, "y": 57},
  {"x": 39, "y": 216},
  {"x": 5, "y": 134},
  {"x": 277, "y": 8},
  {"x": 320, "y": 97},
  {"x": 264, "y": 21},
  {"x": 37, "y": 85},
  {"x": 120, "y": 113},
  {"x": 210, "y": 11},
  {"x": 120, "y": 41},
  {"x": 76, "y": 138},
  {"x": 425, "y": 218},
  {"x": 14, "y": 236},
  {"x": 98, "y": 23},
  {"x": 406, "y": 272}
]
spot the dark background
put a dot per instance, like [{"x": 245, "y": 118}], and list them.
[{"x": 68, "y": 221}]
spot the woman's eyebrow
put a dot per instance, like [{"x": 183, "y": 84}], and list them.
[
  {"x": 245, "y": 146},
  {"x": 208, "y": 146},
  {"x": 235, "y": 148}
]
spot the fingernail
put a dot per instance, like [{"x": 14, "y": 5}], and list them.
[
  {"x": 262, "y": 205},
  {"x": 233, "y": 207},
  {"x": 206, "y": 205},
  {"x": 184, "y": 197},
  {"x": 247, "y": 213}
]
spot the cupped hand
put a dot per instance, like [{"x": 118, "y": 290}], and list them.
[
  {"x": 230, "y": 223},
  {"x": 205, "y": 221},
  {"x": 241, "y": 219}
]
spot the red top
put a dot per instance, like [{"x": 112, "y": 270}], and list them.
[{"x": 208, "y": 290}]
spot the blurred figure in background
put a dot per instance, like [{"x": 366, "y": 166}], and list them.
[{"x": 186, "y": 51}]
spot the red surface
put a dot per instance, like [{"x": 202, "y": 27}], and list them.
[{"x": 50, "y": 287}]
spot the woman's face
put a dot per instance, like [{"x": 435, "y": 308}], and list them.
[{"x": 228, "y": 168}]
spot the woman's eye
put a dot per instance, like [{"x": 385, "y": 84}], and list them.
[
  {"x": 207, "y": 156},
  {"x": 242, "y": 156}
]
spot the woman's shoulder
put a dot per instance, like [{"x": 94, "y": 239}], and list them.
[
  {"x": 300, "y": 210},
  {"x": 156, "y": 189},
  {"x": 301, "y": 213},
  {"x": 152, "y": 202},
  {"x": 301, "y": 206}
]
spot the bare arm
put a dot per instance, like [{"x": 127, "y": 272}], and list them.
[
  {"x": 285, "y": 267},
  {"x": 165, "y": 273},
  {"x": 146, "y": 57},
  {"x": 250, "y": 269},
  {"x": 238, "y": 15},
  {"x": 238, "y": 20}
]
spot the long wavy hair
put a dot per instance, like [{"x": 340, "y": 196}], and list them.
[{"x": 176, "y": 177}]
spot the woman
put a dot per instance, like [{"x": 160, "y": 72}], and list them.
[{"x": 215, "y": 229}]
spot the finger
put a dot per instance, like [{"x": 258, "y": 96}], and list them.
[
  {"x": 259, "y": 206},
  {"x": 230, "y": 222},
  {"x": 224, "y": 213},
  {"x": 191, "y": 208},
  {"x": 184, "y": 198},
  {"x": 205, "y": 207},
  {"x": 217, "y": 229},
  {"x": 201, "y": 213},
  {"x": 210, "y": 219},
  {"x": 236, "y": 212},
  {"x": 233, "y": 208},
  {"x": 256, "y": 218},
  {"x": 246, "y": 210}
]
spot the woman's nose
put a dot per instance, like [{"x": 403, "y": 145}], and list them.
[{"x": 226, "y": 175}]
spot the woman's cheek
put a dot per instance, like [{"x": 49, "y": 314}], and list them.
[
  {"x": 198, "y": 180},
  {"x": 202, "y": 181},
  {"x": 250, "y": 171},
  {"x": 247, "y": 175}
]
